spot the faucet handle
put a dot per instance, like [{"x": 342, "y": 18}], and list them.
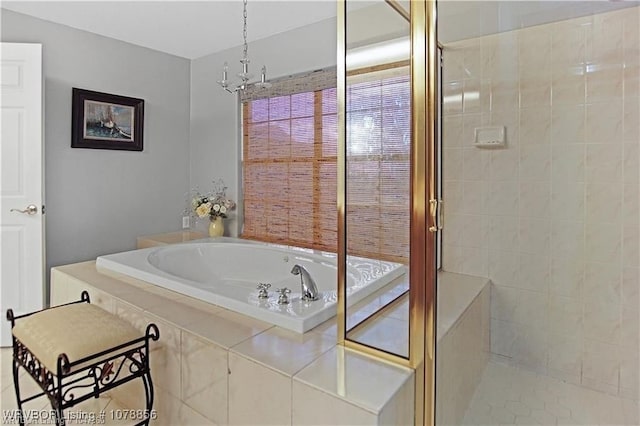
[
  {"x": 283, "y": 299},
  {"x": 262, "y": 290}
]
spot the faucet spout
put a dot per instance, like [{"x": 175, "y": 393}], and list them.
[{"x": 309, "y": 288}]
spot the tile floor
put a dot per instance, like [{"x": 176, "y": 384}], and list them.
[
  {"x": 505, "y": 396},
  {"x": 509, "y": 396},
  {"x": 103, "y": 406}
]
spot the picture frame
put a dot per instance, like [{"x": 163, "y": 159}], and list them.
[{"x": 106, "y": 121}]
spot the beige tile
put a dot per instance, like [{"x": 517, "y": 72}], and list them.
[
  {"x": 475, "y": 164},
  {"x": 504, "y": 301},
  {"x": 604, "y": 122},
  {"x": 631, "y": 205},
  {"x": 604, "y": 163},
  {"x": 182, "y": 314},
  {"x": 601, "y": 365},
  {"x": 605, "y": 83},
  {"x": 314, "y": 407},
  {"x": 531, "y": 309},
  {"x": 453, "y": 158},
  {"x": 503, "y": 233},
  {"x": 389, "y": 334},
  {"x": 567, "y": 201},
  {"x": 567, "y": 240},
  {"x": 504, "y": 267},
  {"x": 631, "y": 121},
  {"x": 361, "y": 381},
  {"x": 603, "y": 243},
  {"x": 534, "y": 235},
  {"x": 266, "y": 401},
  {"x": 604, "y": 204},
  {"x": 565, "y": 316},
  {"x": 568, "y": 42},
  {"x": 568, "y": 86},
  {"x": 285, "y": 351},
  {"x": 534, "y": 271},
  {"x": 602, "y": 282},
  {"x": 568, "y": 124},
  {"x": 503, "y": 198},
  {"x": 535, "y": 91},
  {"x": 471, "y": 96},
  {"x": 630, "y": 370},
  {"x": 452, "y": 95},
  {"x": 503, "y": 164},
  {"x": 171, "y": 411},
  {"x": 204, "y": 377},
  {"x": 452, "y": 131},
  {"x": 227, "y": 328},
  {"x": 400, "y": 410},
  {"x": 469, "y": 124},
  {"x": 604, "y": 42},
  {"x": 475, "y": 261},
  {"x": 28, "y": 387},
  {"x": 535, "y": 162},
  {"x": 535, "y": 125},
  {"x": 530, "y": 348},
  {"x": 165, "y": 359},
  {"x": 631, "y": 246},
  {"x": 565, "y": 354},
  {"x": 567, "y": 163},
  {"x": 567, "y": 276},
  {"x": 631, "y": 159}
]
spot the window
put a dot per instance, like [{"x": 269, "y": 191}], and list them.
[
  {"x": 290, "y": 165},
  {"x": 290, "y": 174}
]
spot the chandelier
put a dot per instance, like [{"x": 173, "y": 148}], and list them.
[{"x": 244, "y": 76}]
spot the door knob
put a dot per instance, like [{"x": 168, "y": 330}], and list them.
[{"x": 30, "y": 210}]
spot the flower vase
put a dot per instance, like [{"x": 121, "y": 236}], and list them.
[{"x": 216, "y": 227}]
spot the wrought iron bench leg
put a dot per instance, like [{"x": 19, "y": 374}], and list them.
[{"x": 16, "y": 385}]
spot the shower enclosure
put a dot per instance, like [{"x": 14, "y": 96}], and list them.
[
  {"x": 540, "y": 118},
  {"x": 524, "y": 121}
]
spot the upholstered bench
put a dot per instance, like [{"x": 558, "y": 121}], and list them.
[{"x": 78, "y": 351}]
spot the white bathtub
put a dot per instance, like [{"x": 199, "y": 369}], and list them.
[{"x": 226, "y": 271}]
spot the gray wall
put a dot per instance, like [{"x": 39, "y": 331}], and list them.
[
  {"x": 215, "y": 127},
  {"x": 99, "y": 201}
]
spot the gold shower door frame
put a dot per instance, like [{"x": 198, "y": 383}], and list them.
[{"x": 423, "y": 207}]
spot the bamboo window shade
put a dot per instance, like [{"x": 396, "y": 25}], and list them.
[{"x": 290, "y": 165}]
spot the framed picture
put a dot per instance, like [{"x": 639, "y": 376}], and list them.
[{"x": 105, "y": 121}]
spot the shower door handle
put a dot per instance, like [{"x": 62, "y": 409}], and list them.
[{"x": 437, "y": 215}]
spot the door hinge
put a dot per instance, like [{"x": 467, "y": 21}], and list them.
[{"x": 42, "y": 209}]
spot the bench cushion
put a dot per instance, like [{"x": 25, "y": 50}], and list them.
[{"x": 77, "y": 330}]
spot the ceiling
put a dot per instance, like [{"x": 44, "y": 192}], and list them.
[
  {"x": 189, "y": 29},
  {"x": 192, "y": 29}
]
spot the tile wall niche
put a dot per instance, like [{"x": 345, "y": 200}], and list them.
[{"x": 553, "y": 219}]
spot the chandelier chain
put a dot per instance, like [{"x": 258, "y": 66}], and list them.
[{"x": 244, "y": 31}]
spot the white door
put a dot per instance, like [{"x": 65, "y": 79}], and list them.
[{"x": 21, "y": 221}]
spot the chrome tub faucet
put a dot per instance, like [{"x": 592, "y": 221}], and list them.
[{"x": 309, "y": 288}]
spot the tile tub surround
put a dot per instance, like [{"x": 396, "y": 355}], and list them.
[
  {"x": 554, "y": 218},
  {"x": 463, "y": 343},
  {"x": 213, "y": 366}
]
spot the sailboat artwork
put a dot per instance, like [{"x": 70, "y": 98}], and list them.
[{"x": 108, "y": 121}]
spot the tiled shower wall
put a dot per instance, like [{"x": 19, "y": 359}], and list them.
[{"x": 553, "y": 218}]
